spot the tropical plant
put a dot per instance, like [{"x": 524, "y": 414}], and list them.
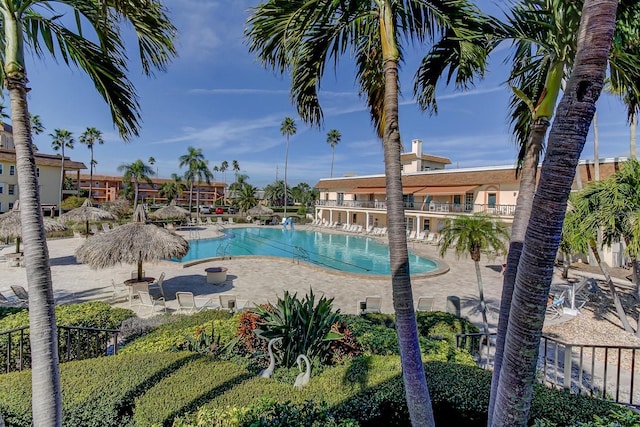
[
  {"x": 535, "y": 269},
  {"x": 287, "y": 128},
  {"x": 475, "y": 235},
  {"x": 172, "y": 189},
  {"x": 192, "y": 160},
  {"x": 62, "y": 139},
  {"x": 275, "y": 193},
  {"x": 304, "y": 194},
  {"x": 200, "y": 172},
  {"x": 303, "y": 325},
  {"x": 236, "y": 168},
  {"x": 223, "y": 168},
  {"x": 245, "y": 198},
  {"x": 36, "y": 127},
  {"x": 333, "y": 138},
  {"x": 134, "y": 173},
  {"x": 106, "y": 65},
  {"x": 301, "y": 38},
  {"x": 90, "y": 137}
]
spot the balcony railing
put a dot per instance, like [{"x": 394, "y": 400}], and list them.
[{"x": 435, "y": 207}]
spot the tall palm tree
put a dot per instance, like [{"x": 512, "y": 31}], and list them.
[
  {"x": 474, "y": 235},
  {"x": 192, "y": 161},
  {"x": 106, "y": 65},
  {"x": 287, "y": 128},
  {"x": 62, "y": 139},
  {"x": 135, "y": 173},
  {"x": 236, "y": 168},
  {"x": 301, "y": 38},
  {"x": 90, "y": 137},
  {"x": 172, "y": 189},
  {"x": 333, "y": 138},
  {"x": 200, "y": 173},
  {"x": 36, "y": 127},
  {"x": 223, "y": 168},
  {"x": 214, "y": 170},
  {"x": 535, "y": 270}
]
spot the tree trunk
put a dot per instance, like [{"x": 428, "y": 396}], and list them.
[
  {"x": 524, "y": 205},
  {"x": 45, "y": 374},
  {"x": 483, "y": 305},
  {"x": 190, "y": 195},
  {"x": 417, "y": 393},
  {"x": 136, "y": 186},
  {"x": 61, "y": 178},
  {"x": 91, "y": 175},
  {"x": 535, "y": 270},
  {"x": 633, "y": 125},
  {"x": 286, "y": 162},
  {"x": 198, "y": 200},
  {"x": 333, "y": 152}
]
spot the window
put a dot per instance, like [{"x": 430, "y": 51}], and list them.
[
  {"x": 38, "y": 172},
  {"x": 426, "y": 225},
  {"x": 12, "y": 189},
  {"x": 10, "y": 206},
  {"x": 491, "y": 200},
  {"x": 0, "y": 168},
  {"x": 12, "y": 170},
  {"x": 468, "y": 202},
  {"x": 1, "y": 188}
]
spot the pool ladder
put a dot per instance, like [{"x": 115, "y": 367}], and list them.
[
  {"x": 300, "y": 254},
  {"x": 224, "y": 251}
]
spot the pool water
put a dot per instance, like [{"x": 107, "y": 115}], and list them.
[{"x": 342, "y": 252}]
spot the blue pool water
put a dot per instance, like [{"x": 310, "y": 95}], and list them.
[{"x": 347, "y": 253}]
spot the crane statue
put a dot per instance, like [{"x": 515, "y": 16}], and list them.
[
  {"x": 303, "y": 377},
  {"x": 266, "y": 373}
]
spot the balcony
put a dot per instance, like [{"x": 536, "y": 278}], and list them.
[{"x": 432, "y": 207}]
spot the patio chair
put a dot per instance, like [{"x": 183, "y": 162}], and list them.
[
  {"x": 94, "y": 229},
  {"x": 158, "y": 285},
  {"x": 231, "y": 303},
  {"x": 105, "y": 227},
  {"x": 119, "y": 291},
  {"x": 230, "y": 220},
  {"x": 425, "y": 304},
  {"x": 146, "y": 300},
  {"x": 21, "y": 293},
  {"x": 9, "y": 302},
  {"x": 135, "y": 289},
  {"x": 555, "y": 306},
  {"x": 370, "y": 305},
  {"x": 187, "y": 303}
]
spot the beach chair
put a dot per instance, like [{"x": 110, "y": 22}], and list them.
[
  {"x": 412, "y": 234},
  {"x": 157, "y": 285},
  {"x": 431, "y": 238},
  {"x": 135, "y": 288},
  {"x": 20, "y": 293},
  {"x": 370, "y": 305},
  {"x": 230, "y": 220},
  {"x": 105, "y": 227},
  {"x": 231, "y": 303},
  {"x": 119, "y": 291},
  {"x": 4, "y": 301},
  {"x": 146, "y": 300},
  {"x": 425, "y": 304},
  {"x": 94, "y": 229},
  {"x": 187, "y": 303},
  {"x": 555, "y": 306}
]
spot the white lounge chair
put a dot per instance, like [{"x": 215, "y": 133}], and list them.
[
  {"x": 231, "y": 303},
  {"x": 105, "y": 227},
  {"x": 146, "y": 300},
  {"x": 20, "y": 293},
  {"x": 425, "y": 304},
  {"x": 187, "y": 303},
  {"x": 119, "y": 291},
  {"x": 370, "y": 305}
]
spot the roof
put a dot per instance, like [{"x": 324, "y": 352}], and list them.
[
  {"x": 9, "y": 156},
  {"x": 458, "y": 177}
]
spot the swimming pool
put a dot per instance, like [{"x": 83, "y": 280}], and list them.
[{"x": 342, "y": 252}]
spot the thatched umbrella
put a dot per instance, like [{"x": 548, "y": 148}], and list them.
[
  {"x": 260, "y": 210},
  {"x": 11, "y": 225},
  {"x": 170, "y": 212},
  {"x": 132, "y": 243},
  {"x": 87, "y": 213}
]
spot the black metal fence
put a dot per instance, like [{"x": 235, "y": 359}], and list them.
[
  {"x": 602, "y": 371},
  {"x": 74, "y": 343}
]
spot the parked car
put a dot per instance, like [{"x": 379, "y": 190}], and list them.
[
  {"x": 205, "y": 210},
  {"x": 219, "y": 210}
]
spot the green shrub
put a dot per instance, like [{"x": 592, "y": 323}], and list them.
[
  {"x": 441, "y": 325},
  {"x": 7, "y": 311},
  {"x": 172, "y": 335},
  {"x": 304, "y": 326}
]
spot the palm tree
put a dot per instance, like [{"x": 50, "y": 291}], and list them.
[
  {"x": 241, "y": 181},
  {"x": 201, "y": 172},
  {"x": 474, "y": 235},
  {"x": 300, "y": 38},
  {"x": 106, "y": 66},
  {"x": 192, "y": 161},
  {"x": 36, "y": 127},
  {"x": 214, "y": 170},
  {"x": 236, "y": 168},
  {"x": 333, "y": 138},
  {"x": 274, "y": 192},
  {"x": 223, "y": 168},
  {"x": 90, "y": 137},
  {"x": 172, "y": 189},
  {"x": 287, "y": 128},
  {"x": 246, "y": 197},
  {"x": 535, "y": 270},
  {"x": 136, "y": 172},
  {"x": 62, "y": 139}
]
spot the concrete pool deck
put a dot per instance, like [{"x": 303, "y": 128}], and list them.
[{"x": 261, "y": 280}]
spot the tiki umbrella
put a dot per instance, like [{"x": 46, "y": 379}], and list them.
[
  {"x": 170, "y": 212},
  {"x": 260, "y": 211},
  {"x": 87, "y": 213},
  {"x": 11, "y": 225},
  {"x": 132, "y": 243}
]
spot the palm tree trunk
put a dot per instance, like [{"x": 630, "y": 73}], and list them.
[
  {"x": 535, "y": 270},
  {"x": 333, "y": 152},
  {"x": 614, "y": 294},
  {"x": 45, "y": 374},
  {"x": 198, "y": 199},
  {"x": 91, "y": 176},
  {"x": 135, "y": 192},
  {"x": 190, "y": 194},
  {"x": 633, "y": 125},
  {"x": 483, "y": 305},
  {"x": 417, "y": 393},
  {"x": 524, "y": 205},
  {"x": 286, "y": 161},
  {"x": 61, "y": 180}
]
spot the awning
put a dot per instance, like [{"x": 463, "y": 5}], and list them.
[
  {"x": 383, "y": 190},
  {"x": 445, "y": 191}
]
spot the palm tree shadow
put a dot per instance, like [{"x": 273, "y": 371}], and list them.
[
  {"x": 358, "y": 372},
  {"x": 472, "y": 304}
]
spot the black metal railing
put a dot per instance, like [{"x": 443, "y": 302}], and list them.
[
  {"x": 602, "y": 371},
  {"x": 74, "y": 343}
]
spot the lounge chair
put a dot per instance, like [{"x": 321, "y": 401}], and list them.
[
  {"x": 94, "y": 229},
  {"x": 146, "y": 300},
  {"x": 230, "y": 220},
  {"x": 119, "y": 291},
  {"x": 158, "y": 285},
  {"x": 135, "y": 289},
  {"x": 105, "y": 227},
  {"x": 21, "y": 293},
  {"x": 431, "y": 238},
  {"x": 231, "y": 303},
  {"x": 4, "y": 301},
  {"x": 187, "y": 303},
  {"x": 412, "y": 234},
  {"x": 370, "y": 305},
  {"x": 425, "y": 304}
]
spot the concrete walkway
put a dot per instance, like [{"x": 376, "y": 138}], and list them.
[{"x": 260, "y": 280}]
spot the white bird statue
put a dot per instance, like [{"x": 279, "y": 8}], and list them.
[
  {"x": 266, "y": 373},
  {"x": 303, "y": 377}
]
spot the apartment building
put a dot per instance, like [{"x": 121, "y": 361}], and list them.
[{"x": 47, "y": 168}]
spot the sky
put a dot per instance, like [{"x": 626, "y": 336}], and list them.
[{"x": 217, "y": 97}]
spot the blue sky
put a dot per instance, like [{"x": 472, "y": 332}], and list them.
[{"x": 217, "y": 97}]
